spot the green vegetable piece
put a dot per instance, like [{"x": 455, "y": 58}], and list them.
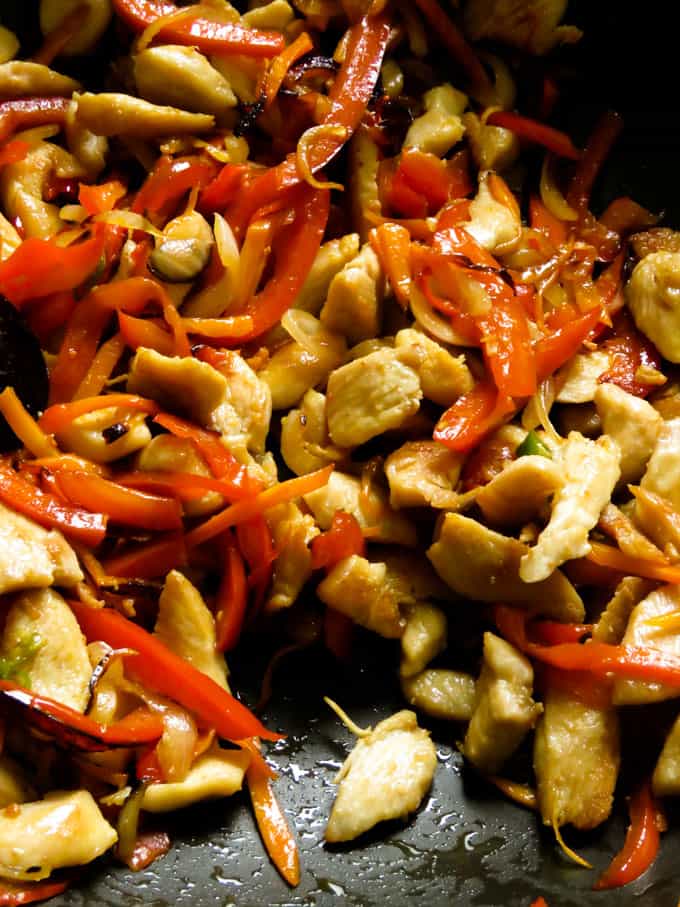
[
  {"x": 14, "y": 665},
  {"x": 533, "y": 446}
]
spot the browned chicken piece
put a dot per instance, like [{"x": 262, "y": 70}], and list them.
[
  {"x": 292, "y": 531},
  {"x": 110, "y": 114},
  {"x": 357, "y": 588},
  {"x": 23, "y": 78},
  {"x": 386, "y": 776},
  {"x": 483, "y": 565},
  {"x": 633, "y": 423},
  {"x": 182, "y": 77},
  {"x": 354, "y": 303},
  {"x": 305, "y": 444},
  {"x": 520, "y": 492},
  {"x": 493, "y": 147},
  {"x": 493, "y": 224},
  {"x": 504, "y": 711},
  {"x": 440, "y": 127},
  {"x": 424, "y": 637},
  {"x": 576, "y": 761},
  {"x": 166, "y": 453},
  {"x": 577, "y": 381},
  {"x": 658, "y": 520},
  {"x": 612, "y": 623},
  {"x": 441, "y": 693},
  {"x": 423, "y": 473},
  {"x": 89, "y": 435},
  {"x": 443, "y": 377}
]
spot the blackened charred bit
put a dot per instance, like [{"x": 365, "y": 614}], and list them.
[
  {"x": 249, "y": 115},
  {"x": 114, "y": 432}
]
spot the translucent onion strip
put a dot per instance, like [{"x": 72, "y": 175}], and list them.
[
  {"x": 551, "y": 194},
  {"x": 314, "y": 136}
]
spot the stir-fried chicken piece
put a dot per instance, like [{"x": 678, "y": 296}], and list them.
[
  {"x": 633, "y": 423},
  {"x": 354, "y": 301},
  {"x": 441, "y": 693},
  {"x": 521, "y": 491},
  {"x": 531, "y": 25},
  {"x": 422, "y": 473}
]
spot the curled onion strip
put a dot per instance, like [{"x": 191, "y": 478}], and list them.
[
  {"x": 432, "y": 322},
  {"x": 128, "y": 220},
  {"x": 308, "y": 139},
  {"x": 552, "y": 196}
]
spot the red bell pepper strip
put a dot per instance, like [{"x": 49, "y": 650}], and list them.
[
  {"x": 294, "y": 255},
  {"x": 397, "y": 197},
  {"x": 255, "y": 543},
  {"x": 392, "y": 245},
  {"x": 206, "y": 34},
  {"x": 13, "y": 152},
  {"x": 126, "y": 506},
  {"x": 629, "y": 350},
  {"x": 15, "y": 894},
  {"x": 540, "y": 218},
  {"x": 600, "y": 143},
  {"x": 170, "y": 179},
  {"x": 72, "y": 728},
  {"x": 553, "y": 633},
  {"x": 533, "y": 131},
  {"x": 47, "y": 510},
  {"x": 257, "y": 505},
  {"x": 187, "y": 486},
  {"x": 507, "y": 346},
  {"x": 101, "y": 198},
  {"x": 145, "y": 332},
  {"x": 472, "y": 417},
  {"x": 25, "y": 113},
  {"x": 438, "y": 181},
  {"x": 61, "y": 415},
  {"x": 149, "y": 846},
  {"x": 343, "y": 539},
  {"x": 641, "y": 845},
  {"x": 157, "y": 558},
  {"x": 39, "y": 267},
  {"x": 155, "y": 666},
  {"x": 232, "y": 598},
  {"x": 349, "y": 97},
  {"x": 553, "y": 350},
  {"x": 219, "y": 458},
  {"x": 222, "y": 190},
  {"x": 272, "y": 825},
  {"x": 452, "y": 38}
]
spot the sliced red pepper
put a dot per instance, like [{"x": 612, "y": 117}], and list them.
[
  {"x": 342, "y": 540},
  {"x": 507, "y": 346},
  {"x": 272, "y": 825},
  {"x": 47, "y": 510},
  {"x": 145, "y": 332},
  {"x": 232, "y": 598},
  {"x": 155, "y": 666},
  {"x": 553, "y": 350},
  {"x": 255, "y": 544},
  {"x": 539, "y": 902},
  {"x": 101, "y": 198},
  {"x": 61, "y": 415},
  {"x": 73, "y": 729},
  {"x": 473, "y": 416},
  {"x": 13, "y": 152},
  {"x": 600, "y": 144},
  {"x": 222, "y": 190},
  {"x": 625, "y": 216},
  {"x": 15, "y": 894},
  {"x": 629, "y": 350},
  {"x": 170, "y": 180},
  {"x": 187, "y": 486},
  {"x": 206, "y": 34},
  {"x": 641, "y": 845},
  {"x": 533, "y": 131},
  {"x": 46, "y": 315},
  {"x": 540, "y": 218},
  {"x": 25, "y": 113},
  {"x": 396, "y": 195},
  {"x": 552, "y": 633},
  {"x": 122, "y": 505},
  {"x": 438, "y": 181},
  {"x": 39, "y": 267},
  {"x": 149, "y": 846},
  {"x": 149, "y": 561}
]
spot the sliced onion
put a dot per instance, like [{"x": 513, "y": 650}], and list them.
[
  {"x": 504, "y": 87},
  {"x": 537, "y": 410},
  {"x": 227, "y": 247},
  {"x": 129, "y": 220},
  {"x": 432, "y": 322},
  {"x": 551, "y": 194},
  {"x": 310, "y": 333},
  {"x": 175, "y": 749},
  {"x": 309, "y": 138},
  {"x": 128, "y": 824}
]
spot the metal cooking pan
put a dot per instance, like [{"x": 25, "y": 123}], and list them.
[{"x": 467, "y": 846}]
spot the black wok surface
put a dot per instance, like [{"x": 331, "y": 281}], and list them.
[{"x": 466, "y": 846}]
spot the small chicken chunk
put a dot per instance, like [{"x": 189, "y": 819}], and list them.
[
  {"x": 493, "y": 224},
  {"x": 64, "y": 829},
  {"x": 662, "y": 476},
  {"x": 666, "y": 777},
  {"x": 33, "y": 557},
  {"x": 423, "y": 473},
  {"x": 410, "y": 575},
  {"x": 277, "y": 15},
  {"x": 576, "y": 761},
  {"x": 343, "y": 492},
  {"x": 443, "y": 377},
  {"x": 493, "y": 147},
  {"x": 23, "y": 78},
  {"x": 110, "y": 114},
  {"x": 440, "y": 127},
  {"x": 357, "y": 588},
  {"x": 217, "y": 773},
  {"x": 483, "y": 565},
  {"x": 244, "y": 416},
  {"x": 441, "y": 693},
  {"x": 641, "y": 631},
  {"x": 330, "y": 260},
  {"x": 591, "y": 471},
  {"x": 520, "y": 492},
  {"x": 424, "y": 637},
  {"x": 182, "y": 77},
  {"x": 653, "y": 297},
  {"x": 504, "y": 711},
  {"x": 305, "y": 445},
  {"x": 292, "y": 531},
  {"x": 166, "y": 453},
  {"x": 58, "y": 665},
  {"x": 14, "y": 786},
  {"x": 577, "y": 381},
  {"x": 9, "y": 238},
  {"x": 105, "y": 435},
  {"x": 386, "y": 776},
  {"x": 633, "y": 423},
  {"x": 295, "y": 367},
  {"x": 531, "y": 25},
  {"x": 612, "y": 623},
  {"x": 369, "y": 396},
  {"x": 354, "y": 302},
  {"x": 186, "y": 626}
]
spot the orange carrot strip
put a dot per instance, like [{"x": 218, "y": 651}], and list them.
[
  {"x": 99, "y": 372},
  {"x": 61, "y": 415},
  {"x": 281, "y": 64},
  {"x": 273, "y": 827},
  {"x": 24, "y": 425},
  {"x": 608, "y": 556}
]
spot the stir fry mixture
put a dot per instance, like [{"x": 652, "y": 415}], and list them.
[{"x": 307, "y": 322}]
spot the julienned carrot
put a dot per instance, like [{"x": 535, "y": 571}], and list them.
[
  {"x": 61, "y": 415},
  {"x": 25, "y": 427},
  {"x": 282, "y": 63},
  {"x": 258, "y": 504},
  {"x": 273, "y": 826},
  {"x": 614, "y": 558},
  {"x": 101, "y": 368},
  {"x": 148, "y": 561}
]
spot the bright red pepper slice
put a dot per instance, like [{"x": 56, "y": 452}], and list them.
[
  {"x": 47, "y": 510},
  {"x": 72, "y": 728},
  {"x": 15, "y": 894},
  {"x": 170, "y": 179},
  {"x": 392, "y": 244},
  {"x": 101, "y": 198},
  {"x": 473, "y": 416},
  {"x": 507, "y": 345},
  {"x": 232, "y": 598},
  {"x": 13, "y": 152},
  {"x": 255, "y": 544},
  {"x": 149, "y": 561},
  {"x": 39, "y": 267},
  {"x": 222, "y": 190},
  {"x": 436, "y": 180},
  {"x": 273, "y": 826},
  {"x": 641, "y": 845},
  {"x": 600, "y": 143},
  {"x": 25, "y": 113},
  {"x": 127, "y": 506},
  {"x": 343, "y": 539},
  {"x": 533, "y": 131},
  {"x": 545, "y": 221},
  {"x": 553, "y": 350},
  {"x": 553, "y": 633},
  {"x": 155, "y": 666},
  {"x": 629, "y": 350},
  {"x": 145, "y": 332},
  {"x": 206, "y": 34}
]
